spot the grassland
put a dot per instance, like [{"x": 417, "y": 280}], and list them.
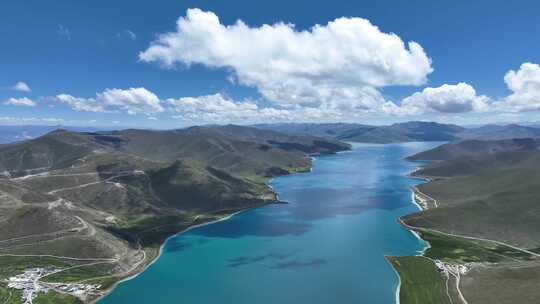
[
  {"x": 53, "y": 297},
  {"x": 459, "y": 250},
  {"x": 421, "y": 283},
  {"x": 13, "y": 265},
  {"x": 77, "y": 274},
  {"x": 10, "y": 296},
  {"x": 420, "y": 279}
]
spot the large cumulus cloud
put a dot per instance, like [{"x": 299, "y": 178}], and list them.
[
  {"x": 525, "y": 86},
  {"x": 342, "y": 62},
  {"x": 447, "y": 98}
]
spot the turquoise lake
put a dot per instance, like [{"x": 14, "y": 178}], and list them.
[{"x": 327, "y": 245}]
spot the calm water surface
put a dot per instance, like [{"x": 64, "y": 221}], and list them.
[{"x": 326, "y": 246}]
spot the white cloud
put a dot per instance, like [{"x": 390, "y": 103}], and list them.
[
  {"x": 126, "y": 34},
  {"x": 449, "y": 102},
  {"x": 23, "y": 101},
  {"x": 21, "y": 87},
  {"x": 52, "y": 119},
  {"x": 458, "y": 98},
  {"x": 462, "y": 98},
  {"x": 25, "y": 120},
  {"x": 132, "y": 101},
  {"x": 337, "y": 65},
  {"x": 525, "y": 87},
  {"x": 80, "y": 104},
  {"x": 63, "y": 32},
  {"x": 211, "y": 108},
  {"x": 217, "y": 108}
]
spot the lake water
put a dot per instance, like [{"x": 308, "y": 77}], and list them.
[{"x": 326, "y": 246}]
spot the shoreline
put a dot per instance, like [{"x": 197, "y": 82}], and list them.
[
  {"x": 398, "y": 287},
  {"x": 313, "y": 158},
  {"x": 162, "y": 246},
  {"x": 416, "y": 234},
  {"x": 408, "y": 228},
  {"x": 413, "y": 200},
  {"x": 226, "y": 217}
]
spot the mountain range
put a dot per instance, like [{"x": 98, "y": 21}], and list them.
[
  {"x": 405, "y": 132},
  {"x": 399, "y": 132}
]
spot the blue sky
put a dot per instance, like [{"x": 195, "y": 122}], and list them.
[{"x": 81, "y": 48}]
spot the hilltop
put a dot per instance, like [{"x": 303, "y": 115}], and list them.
[{"x": 9, "y": 134}]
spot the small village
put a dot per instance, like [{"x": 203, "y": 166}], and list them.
[
  {"x": 30, "y": 285},
  {"x": 452, "y": 268}
]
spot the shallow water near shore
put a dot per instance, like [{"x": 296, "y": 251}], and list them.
[{"x": 326, "y": 246}]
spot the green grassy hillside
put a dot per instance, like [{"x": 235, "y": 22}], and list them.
[{"x": 421, "y": 283}]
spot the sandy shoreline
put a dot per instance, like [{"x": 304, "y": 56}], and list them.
[
  {"x": 398, "y": 288},
  {"x": 413, "y": 199}
]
